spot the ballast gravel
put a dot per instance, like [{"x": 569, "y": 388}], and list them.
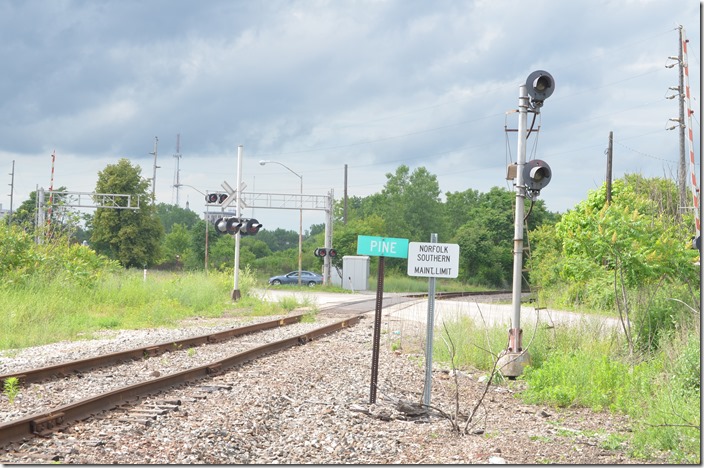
[{"x": 311, "y": 405}]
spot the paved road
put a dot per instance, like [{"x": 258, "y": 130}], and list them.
[{"x": 416, "y": 311}]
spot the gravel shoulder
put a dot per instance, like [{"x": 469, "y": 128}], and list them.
[{"x": 310, "y": 404}]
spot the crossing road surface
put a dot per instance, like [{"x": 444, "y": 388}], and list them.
[{"x": 408, "y": 311}]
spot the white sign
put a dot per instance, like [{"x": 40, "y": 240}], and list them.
[{"x": 433, "y": 260}]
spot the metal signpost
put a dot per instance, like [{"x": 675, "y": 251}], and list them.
[
  {"x": 432, "y": 260},
  {"x": 379, "y": 247}
]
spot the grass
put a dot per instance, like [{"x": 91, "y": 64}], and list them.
[
  {"x": 583, "y": 366},
  {"x": 11, "y": 388},
  {"x": 44, "y": 312},
  {"x": 575, "y": 366}
]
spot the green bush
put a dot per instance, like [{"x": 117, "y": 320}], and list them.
[
  {"x": 661, "y": 394},
  {"x": 656, "y": 314},
  {"x": 23, "y": 261}
]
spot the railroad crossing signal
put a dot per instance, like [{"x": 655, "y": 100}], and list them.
[
  {"x": 322, "y": 252},
  {"x": 215, "y": 198},
  {"x": 233, "y": 225},
  {"x": 225, "y": 199},
  {"x": 251, "y": 227}
]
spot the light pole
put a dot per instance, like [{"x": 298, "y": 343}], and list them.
[{"x": 300, "y": 216}]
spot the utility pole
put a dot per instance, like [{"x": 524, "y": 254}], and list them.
[
  {"x": 682, "y": 172},
  {"x": 177, "y": 156},
  {"x": 12, "y": 190},
  {"x": 51, "y": 188},
  {"x": 156, "y": 143},
  {"x": 344, "y": 211},
  {"x": 609, "y": 162},
  {"x": 236, "y": 294},
  {"x": 682, "y": 166}
]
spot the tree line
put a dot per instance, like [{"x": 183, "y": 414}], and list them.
[{"x": 409, "y": 206}]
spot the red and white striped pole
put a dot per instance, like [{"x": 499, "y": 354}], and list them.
[{"x": 690, "y": 137}]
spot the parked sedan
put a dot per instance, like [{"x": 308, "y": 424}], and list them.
[{"x": 307, "y": 277}]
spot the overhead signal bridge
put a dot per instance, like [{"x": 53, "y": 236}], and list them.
[
  {"x": 96, "y": 200},
  {"x": 273, "y": 201},
  {"x": 285, "y": 201}
]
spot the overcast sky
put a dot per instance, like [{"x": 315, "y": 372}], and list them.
[{"x": 316, "y": 85}]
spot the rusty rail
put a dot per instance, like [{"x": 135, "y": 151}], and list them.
[
  {"x": 67, "y": 368},
  {"x": 45, "y": 423}
]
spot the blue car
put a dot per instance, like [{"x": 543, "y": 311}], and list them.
[{"x": 307, "y": 277}]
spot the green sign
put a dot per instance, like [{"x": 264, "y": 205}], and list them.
[{"x": 382, "y": 246}]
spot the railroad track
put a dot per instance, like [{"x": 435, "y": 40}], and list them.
[
  {"x": 55, "y": 418},
  {"x": 73, "y": 367},
  {"x": 47, "y": 420}
]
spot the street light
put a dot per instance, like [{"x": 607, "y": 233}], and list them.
[{"x": 300, "y": 216}]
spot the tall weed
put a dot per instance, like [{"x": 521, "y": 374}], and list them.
[
  {"x": 40, "y": 311},
  {"x": 587, "y": 366}
]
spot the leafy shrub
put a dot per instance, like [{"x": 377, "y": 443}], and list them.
[
  {"x": 23, "y": 261},
  {"x": 581, "y": 379}
]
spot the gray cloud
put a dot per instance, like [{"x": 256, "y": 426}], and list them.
[{"x": 320, "y": 84}]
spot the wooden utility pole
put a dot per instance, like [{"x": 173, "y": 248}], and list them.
[
  {"x": 682, "y": 172},
  {"x": 609, "y": 165},
  {"x": 12, "y": 190},
  {"x": 344, "y": 210}
]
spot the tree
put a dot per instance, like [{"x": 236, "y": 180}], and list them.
[
  {"x": 177, "y": 243},
  {"x": 195, "y": 257},
  {"x": 133, "y": 237},
  {"x": 173, "y": 214},
  {"x": 458, "y": 206},
  {"x": 279, "y": 239},
  {"x": 620, "y": 255},
  {"x": 486, "y": 238},
  {"x": 26, "y": 214},
  {"x": 345, "y": 239},
  {"x": 409, "y": 204}
]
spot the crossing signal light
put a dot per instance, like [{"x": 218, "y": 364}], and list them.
[
  {"x": 322, "y": 252},
  {"x": 233, "y": 225},
  {"x": 229, "y": 225},
  {"x": 213, "y": 198},
  {"x": 221, "y": 225},
  {"x": 251, "y": 227},
  {"x": 536, "y": 175}
]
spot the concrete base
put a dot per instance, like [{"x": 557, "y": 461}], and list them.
[{"x": 511, "y": 364}]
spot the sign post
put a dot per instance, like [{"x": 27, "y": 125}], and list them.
[
  {"x": 379, "y": 247},
  {"x": 434, "y": 261}
]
